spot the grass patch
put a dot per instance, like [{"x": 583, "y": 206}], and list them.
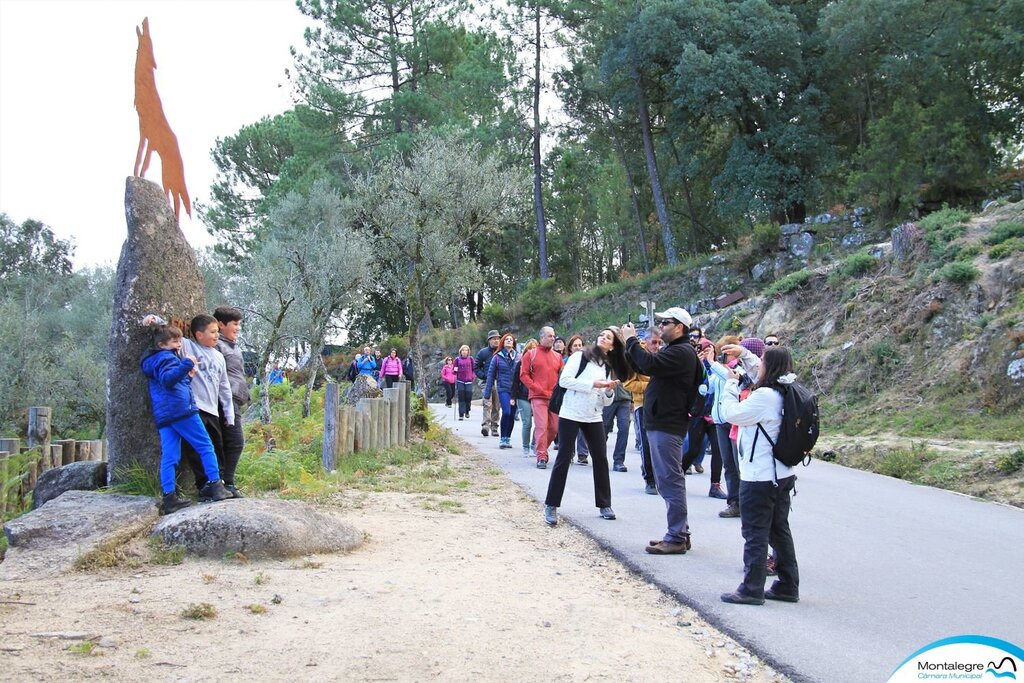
[
  {"x": 853, "y": 265},
  {"x": 114, "y": 552},
  {"x": 257, "y": 609},
  {"x": 1003, "y": 232},
  {"x": 1006, "y": 248},
  {"x": 937, "y": 415},
  {"x": 957, "y": 272},
  {"x": 199, "y": 611},
  {"x": 789, "y": 283},
  {"x": 135, "y": 480},
  {"x": 143, "y": 653},
  {"x": 164, "y": 554},
  {"x": 445, "y": 505},
  {"x": 86, "y": 648},
  {"x": 906, "y": 464},
  {"x": 942, "y": 227},
  {"x": 261, "y": 579}
]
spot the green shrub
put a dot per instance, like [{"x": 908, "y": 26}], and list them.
[
  {"x": 941, "y": 220},
  {"x": 1004, "y": 231},
  {"x": 1006, "y": 248},
  {"x": 767, "y": 237},
  {"x": 904, "y": 464},
  {"x": 884, "y": 354},
  {"x": 941, "y": 228},
  {"x": 1011, "y": 462},
  {"x": 539, "y": 302},
  {"x": 958, "y": 272},
  {"x": 853, "y": 265},
  {"x": 789, "y": 283},
  {"x": 495, "y": 316}
]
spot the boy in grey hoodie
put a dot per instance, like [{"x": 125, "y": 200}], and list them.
[{"x": 229, "y": 323}]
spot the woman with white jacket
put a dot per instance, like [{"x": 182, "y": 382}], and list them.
[
  {"x": 589, "y": 378},
  {"x": 766, "y": 485}
]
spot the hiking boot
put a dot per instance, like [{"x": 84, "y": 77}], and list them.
[
  {"x": 214, "y": 491},
  {"x": 737, "y": 598},
  {"x": 483, "y": 430},
  {"x": 233, "y": 490},
  {"x": 699, "y": 468},
  {"x": 666, "y": 548},
  {"x": 776, "y": 593},
  {"x": 542, "y": 463},
  {"x": 172, "y": 502},
  {"x": 619, "y": 467},
  {"x": 650, "y": 489},
  {"x": 733, "y": 510},
  {"x": 607, "y": 513},
  {"x": 550, "y": 515},
  {"x": 717, "y": 492}
]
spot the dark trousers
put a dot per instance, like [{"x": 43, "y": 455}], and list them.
[
  {"x": 764, "y": 519},
  {"x": 593, "y": 432},
  {"x": 646, "y": 468},
  {"x": 212, "y": 423},
  {"x": 449, "y": 393},
  {"x": 389, "y": 381},
  {"x": 465, "y": 397},
  {"x": 233, "y": 441},
  {"x": 699, "y": 428},
  {"x": 618, "y": 412},
  {"x": 730, "y": 462}
]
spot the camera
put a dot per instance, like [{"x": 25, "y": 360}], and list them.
[{"x": 745, "y": 380}]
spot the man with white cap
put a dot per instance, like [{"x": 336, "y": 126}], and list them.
[{"x": 675, "y": 375}]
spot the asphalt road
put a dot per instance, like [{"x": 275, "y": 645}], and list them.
[{"x": 886, "y": 567}]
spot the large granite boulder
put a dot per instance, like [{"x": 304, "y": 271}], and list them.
[
  {"x": 48, "y": 540},
  {"x": 78, "y": 476},
  {"x": 364, "y": 387},
  {"x": 157, "y": 273},
  {"x": 257, "y": 529}
]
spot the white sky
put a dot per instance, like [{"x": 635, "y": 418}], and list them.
[{"x": 68, "y": 127}]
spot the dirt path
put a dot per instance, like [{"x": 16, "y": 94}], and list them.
[{"x": 467, "y": 586}]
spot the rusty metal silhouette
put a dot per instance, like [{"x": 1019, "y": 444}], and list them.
[{"x": 155, "y": 134}]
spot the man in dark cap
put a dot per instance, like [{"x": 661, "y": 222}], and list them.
[{"x": 491, "y": 406}]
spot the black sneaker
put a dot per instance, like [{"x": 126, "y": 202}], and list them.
[
  {"x": 233, "y": 490},
  {"x": 172, "y": 502},
  {"x": 213, "y": 492},
  {"x": 650, "y": 489}
]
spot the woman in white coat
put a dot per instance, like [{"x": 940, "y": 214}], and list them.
[
  {"x": 589, "y": 378},
  {"x": 766, "y": 485}
]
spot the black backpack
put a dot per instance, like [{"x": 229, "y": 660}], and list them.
[
  {"x": 799, "y": 430},
  {"x": 352, "y": 372}
]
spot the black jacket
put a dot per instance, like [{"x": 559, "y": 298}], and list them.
[
  {"x": 674, "y": 379},
  {"x": 483, "y": 359}
]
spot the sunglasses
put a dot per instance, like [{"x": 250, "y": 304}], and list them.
[
  {"x": 666, "y": 323},
  {"x": 772, "y": 344},
  {"x": 694, "y": 335}
]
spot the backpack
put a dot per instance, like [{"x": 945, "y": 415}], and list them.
[
  {"x": 352, "y": 373},
  {"x": 799, "y": 430},
  {"x": 558, "y": 393}
]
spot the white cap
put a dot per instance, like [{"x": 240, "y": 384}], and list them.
[{"x": 678, "y": 313}]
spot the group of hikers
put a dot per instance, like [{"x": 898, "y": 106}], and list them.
[
  {"x": 385, "y": 370},
  {"x": 684, "y": 392},
  {"x": 198, "y": 389}
]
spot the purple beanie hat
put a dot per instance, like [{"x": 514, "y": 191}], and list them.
[{"x": 754, "y": 345}]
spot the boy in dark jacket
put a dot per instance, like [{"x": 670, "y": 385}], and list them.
[{"x": 177, "y": 417}]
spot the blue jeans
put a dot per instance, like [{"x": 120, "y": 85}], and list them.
[
  {"x": 190, "y": 429},
  {"x": 508, "y": 413},
  {"x": 618, "y": 412},
  {"x": 764, "y": 520},
  {"x": 526, "y": 419},
  {"x": 730, "y": 462},
  {"x": 667, "y": 459}
]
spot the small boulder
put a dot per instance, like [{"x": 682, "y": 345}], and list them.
[
  {"x": 363, "y": 387},
  {"x": 257, "y": 529},
  {"x": 48, "y": 540},
  {"x": 78, "y": 476}
]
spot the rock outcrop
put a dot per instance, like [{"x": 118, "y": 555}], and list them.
[
  {"x": 78, "y": 476},
  {"x": 157, "y": 273},
  {"x": 257, "y": 529}
]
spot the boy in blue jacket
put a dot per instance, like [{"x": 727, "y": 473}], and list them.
[{"x": 177, "y": 417}]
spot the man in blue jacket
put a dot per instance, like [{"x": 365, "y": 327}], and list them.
[
  {"x": 667, "y": 400},
  {"x": 491, "y": 406}
]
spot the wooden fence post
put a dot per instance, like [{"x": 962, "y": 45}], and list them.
[
  {"x": 350, "y": 430},
  {"x": 383, "y": 423},
  {"x": 374, "y": 423},
  {"x": 330, "y": 445},
  {"x": 39, "y": 427},
  {"x": 67, "y": 451},
  {"x": 392, "y": 396},
  {"x": 361, "y": 438},
  {"x": 56, "y": 456},
  {"x": 408, "y": 411}
]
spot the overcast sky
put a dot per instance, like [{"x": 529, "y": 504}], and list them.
[{"x": 68, "y": 127}]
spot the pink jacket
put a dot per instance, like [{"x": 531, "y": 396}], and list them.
[
  {"x": 392, "y": 367},
  {"x": 448, "y": 374}
]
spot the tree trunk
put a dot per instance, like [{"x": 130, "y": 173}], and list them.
[
  {"x": 538, "y": 198},
  {"x": 633, "y": 197},
  {"x": 667, "y": 236},
  {"x": 314, "y": 367}
]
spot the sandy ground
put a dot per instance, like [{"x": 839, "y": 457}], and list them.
[{"x": 465, "y": 586}]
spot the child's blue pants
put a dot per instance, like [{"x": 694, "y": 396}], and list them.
[{"x": 191, "y": 429}]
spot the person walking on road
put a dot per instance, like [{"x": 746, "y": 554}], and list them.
[
  {"x": 539, "y": 373},
  {"x": 766, "y": 485},
  {"x": 521, "y": 395},
  {"x": 499, "y": 378},
  {"x": 464, "y": 373},
  {"x": 489, "y": 425},
  {"x": 674, "y": 374},
  {"x": 589, "y": 379},
  {"x": 448, "y": 379}
]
